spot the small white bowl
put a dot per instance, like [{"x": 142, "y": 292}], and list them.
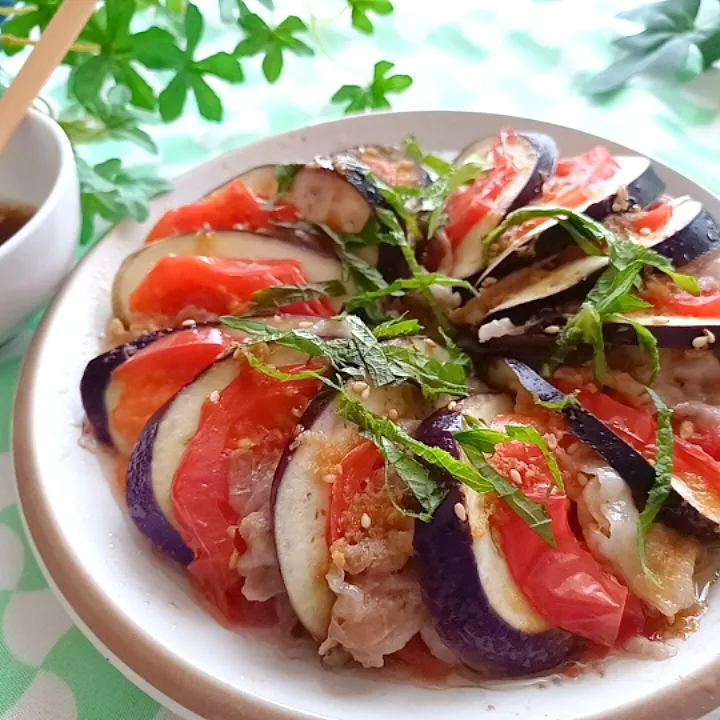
[{"x": 37, "y": 168}]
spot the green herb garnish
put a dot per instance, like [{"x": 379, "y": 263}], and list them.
[
  {"x": 286, "y": 175},
  {"x": 363, "y": 355},
  {"x": 662, "y": 486},
  {"x": 614, "y": 292},
  {"x": 400, "y": 287},
  {"x": 432, "y": 162},
  {"x": 565, "y": 402},
  {"x": 534, "y": 515},
  {"x": 434, "y": 198},
  {"x": 400, "y": 449},
  {"x": 478, "y": 476},
  {"x": 484, "y": 440},
  {"x": 276, "y": 297},
  {"x": 397, "y": 327},
  {"x": 612, "y": 295}
]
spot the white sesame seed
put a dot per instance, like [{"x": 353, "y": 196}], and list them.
[
  {"x": 359, "y": 387},
  {"x": 687, "y": 429},
  {"x": 299, "y": 429},
  {"x": 365, "y": 394},
  {"x": 710, "y": 335},
  {"x": 245, "y": 443},
  {"x": 214, "y": 396},
  {"x": 573, "y": 448},
  {"x": 488, "y": 281},
  {"x": 189, "y": 323},
  {"x": 172, "y": 255},
  {"x": 645, "y": 231},
  {"x": 430, "y": 344},
  {"x": 329, "y": 478},
  {"x": 305, "y": 324},
  {"x": 552, "y": 329},
  {"x": 460, "y": 512},
  {"x": 660, "y": 320},
  {"x": 551, "y": 442},
  {"x": 296, "y": 412},
  {"x": 700, "y": 342},
  {"x": 365, "y": 521},
  {"x": 452, "y": 405},
  {"x": 393, "y": 414},
  {"x": 277, "y": 318},
  {"x": 516, "y": 477}
]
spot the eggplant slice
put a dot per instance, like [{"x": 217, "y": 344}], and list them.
[
  {"x": 99, "y": 395},
  {"x": 160, "y": 449},
  {"x": 301, "y": 497},
  {"x": 535, "y": 155},
  {"x": 476, "y": 606},
  {"x": 552, "y": 287},
  {"x": 641, "y": 186},
  {"x": 316, "y": 261},
  {"x": 689, "y": 509},
  {"x": 96, "y": 380}
]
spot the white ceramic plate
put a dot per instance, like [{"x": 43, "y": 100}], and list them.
[{"x": 138, "y": 608}]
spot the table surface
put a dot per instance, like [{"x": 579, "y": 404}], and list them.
[{"x": 525, "y": 57}]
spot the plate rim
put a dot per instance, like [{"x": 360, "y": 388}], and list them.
[{"x": 146, "y": 663}]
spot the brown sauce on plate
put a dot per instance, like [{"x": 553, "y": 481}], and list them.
[{"x": 12, "y": 217}]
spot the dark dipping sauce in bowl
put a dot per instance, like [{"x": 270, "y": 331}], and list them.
[{"x": 12, "y": 217}]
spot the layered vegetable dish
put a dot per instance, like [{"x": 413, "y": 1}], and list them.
[{"x": 428, "y": 413}]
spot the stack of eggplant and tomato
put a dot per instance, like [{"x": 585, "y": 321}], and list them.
[{"x": 438, "y": 415}]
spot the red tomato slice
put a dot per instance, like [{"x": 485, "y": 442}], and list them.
[
  {"x": 255, "y": 408},
  {"x": 358, "y": 474},
  {"x": 670, "y": 299},
  {"x": 576, "y": 176},
  {"x": 152, "y": 376},
  {"x": 230, "y": 206},
  {"x": 708, "y": 439},
  {"x": 657, "y": 216},
  {"x": 565, "y": 584},
  {"x": 637, "y": 428},
  {"x": 468, "y": 206},
  {"x": 574, "y": 183},
  {"x": 220, "y": 286},
  {"x": 683, "y": 303}
]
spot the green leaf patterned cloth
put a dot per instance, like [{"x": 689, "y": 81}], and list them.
[{"x": 527, "y": 57}]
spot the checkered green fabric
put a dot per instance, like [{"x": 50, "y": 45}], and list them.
[{"x": 529, "y": 57}]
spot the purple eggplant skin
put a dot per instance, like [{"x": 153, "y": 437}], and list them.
[
  {"x": 142, "y": 506},
  {"x": 642, "y": 191},
  {"x": 453, "y": 592},
  {"x": 676, "y": 513},
  {"x": 546, "y": 152},
  {"x": 544, "y": 149},
  {"x": 699, "y": 237},
  {"x": 98, "y": 374},
  {"x": 672, "y": 335},
  {"x": 349, "y": 164}
]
